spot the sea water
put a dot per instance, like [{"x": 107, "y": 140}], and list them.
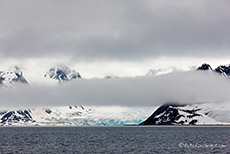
[{"x": 127, "y": 139}]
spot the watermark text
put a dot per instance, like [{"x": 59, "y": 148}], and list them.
[{"x": 200, "y": 145}]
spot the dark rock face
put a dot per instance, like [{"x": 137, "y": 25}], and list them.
[
  {"x": 48, "y": 111},
  {"x": 171, "y": 114},
  {"x": 61, "y": 75},
  {"x": 167, "y": 113},
  {"x": 15, "y": 116},
  {"x": 224, "y": 70},
  {"x": 1, "y": 79},
  {"x": 205, "y": 67}
]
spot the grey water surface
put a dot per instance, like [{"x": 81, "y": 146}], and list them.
[{"x": 134, "y": 139}]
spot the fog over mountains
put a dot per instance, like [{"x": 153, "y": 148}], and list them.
[
  {"x": 201, "y": 86},
  {"x": 178, "y": 86}
]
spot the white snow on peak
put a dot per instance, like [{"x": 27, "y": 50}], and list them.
[
  {"x": 193, "y": 67},
  {"x": 160, "y": 71},
  {"x": 111, "y": 77},
  {"x": 16, "y": 70},
  {"x": 62, "y": 73},
  {"x": 12, "y": 76}
]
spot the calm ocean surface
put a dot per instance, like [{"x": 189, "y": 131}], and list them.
[{"x": 115, "y": 140}]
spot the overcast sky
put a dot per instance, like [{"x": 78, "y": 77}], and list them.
[
  {"x": 113, "y": 37},
  {"x": 114, "y": 30}
]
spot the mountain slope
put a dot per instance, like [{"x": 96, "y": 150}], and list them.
[
  {"x": 223, "y": 70},
  {"x": 13, "y": 76},
  {"x": 204, "y": 67},
  {"x": 193, "y": 114}
]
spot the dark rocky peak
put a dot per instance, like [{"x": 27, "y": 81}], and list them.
[
  {"x": 205, "y": 67},
  {"x": 223, "y": 69},
  {"x": 173, "y": 114},
  {"x": 157, "y": 118},
  {"x": 62, "y": 73}
]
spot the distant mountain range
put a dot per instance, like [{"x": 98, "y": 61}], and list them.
[
  {"x": 14, "y": 75},
  {"x": 154, "y": 72},
  {"x": 62, "y": 73},
  {"x": 166, "y": 114}
]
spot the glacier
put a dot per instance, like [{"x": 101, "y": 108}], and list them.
[
  {"x": 74, "y": 115},
  {"x": 78, "y": 115}
]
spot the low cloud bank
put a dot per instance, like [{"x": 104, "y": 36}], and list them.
[{"x": 180, "y": 87}]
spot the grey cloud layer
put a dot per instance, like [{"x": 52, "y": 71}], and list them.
[
  {"x": 114, "y": 29},
  {"x": 181, "y": 87}
]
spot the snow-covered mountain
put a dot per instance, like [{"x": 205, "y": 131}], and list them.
[
  {"x": 154, "y": 72},
  {"x": 193, "y": 114},
  {"x": 167, "y": 114},
  {"x": 199, "y": 113},
  {"x": 62, "y": 73},
  {"x": 12, "y": 76},
  {"x": 224, "y": 70},
  {"x": 75, "y": 116},
  {"x": 111, "y": 77},
  {"x": 205, "y": 67}
]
